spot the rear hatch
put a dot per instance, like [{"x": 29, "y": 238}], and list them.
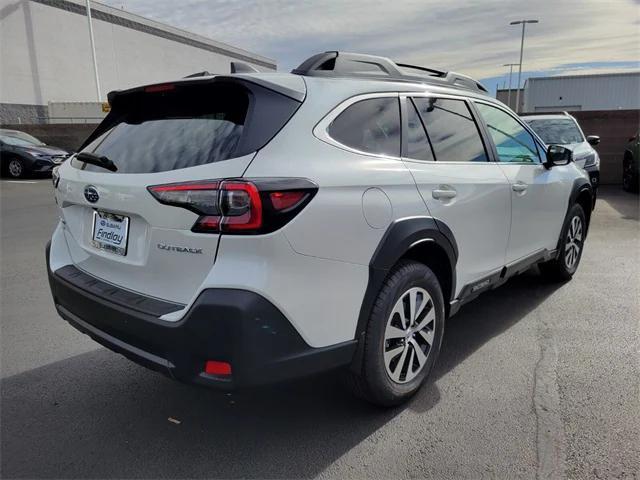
[{"x": 189, "y": 131}]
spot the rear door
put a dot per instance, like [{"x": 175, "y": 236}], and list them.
[
  {"x": 460, "y": 185},
  {"x": 538, "y": 195},
  {"x": 115, "y": 228}
]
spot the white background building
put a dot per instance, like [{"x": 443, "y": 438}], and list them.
[
  {"x": 613, "y": 91},
  {"x": 45, "y": 54}
]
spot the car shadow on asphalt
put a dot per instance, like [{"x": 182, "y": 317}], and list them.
[
  {"x": 97, "y": 415},
  {"x": 625, "y": 203}
]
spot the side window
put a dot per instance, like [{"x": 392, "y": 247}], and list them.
[
  {"x": 452, "y": 131},
  {"x": 371, "y": 126},
  {"x": 418, "y": 146},
  {"x": 513, "y": 142}
]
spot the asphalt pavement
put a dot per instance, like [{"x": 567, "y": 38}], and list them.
[{"x": 534, "y": 381}]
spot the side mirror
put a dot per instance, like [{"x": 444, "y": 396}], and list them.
[
  {"x": 558, "y": 155},
  {"x": 593, "y": 140}
]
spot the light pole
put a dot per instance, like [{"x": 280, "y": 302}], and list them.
[
  {"x": 510, "y": 65},
  {"x": 93, "y": 52},
  {"x": 523, "y": 22}
]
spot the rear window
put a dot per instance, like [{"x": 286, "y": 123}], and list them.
[
  {"x": 188, "y": 126},
  {"x": 371, "y": 126}
]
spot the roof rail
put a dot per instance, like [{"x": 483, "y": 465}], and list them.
[{"x": 344, "y": 64}]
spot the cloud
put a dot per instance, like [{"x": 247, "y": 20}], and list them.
[{"x": 469, "y": 36}]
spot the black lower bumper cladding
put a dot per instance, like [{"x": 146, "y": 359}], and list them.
[{"x": 235, "y": 326}]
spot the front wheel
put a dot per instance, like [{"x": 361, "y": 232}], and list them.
[
  {"x": 572, "y": 239},
  {"x": 630, "y": 182},
  {"x": 403, "y": 336},
  {"x": 15, "y": 168}
]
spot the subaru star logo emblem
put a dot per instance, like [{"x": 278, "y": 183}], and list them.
[{"x": 91, "y": 194}]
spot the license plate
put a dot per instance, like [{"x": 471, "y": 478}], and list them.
[{"x": 110, "y": 232}]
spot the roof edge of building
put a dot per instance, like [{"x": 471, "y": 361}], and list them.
[
  {"x": 586, "y": 75},
  {"x": 127, "y": 19}
]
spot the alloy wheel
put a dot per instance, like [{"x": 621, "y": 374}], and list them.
[
  {"x": 574, "y": 243},
  {"x": 409, "y": 335},
  {"x": 15, "y": 168}
]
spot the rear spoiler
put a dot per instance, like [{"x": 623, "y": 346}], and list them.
[
  {"x": 117, "y": 97},
  {"x": 291, "y": 91}
]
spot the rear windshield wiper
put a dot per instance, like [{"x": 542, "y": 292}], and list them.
[{"x": 97, "y": 160}]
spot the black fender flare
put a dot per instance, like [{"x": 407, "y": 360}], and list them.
[
  {"x": 579, "y": 186},
  {"x": 398, "y": 239}
]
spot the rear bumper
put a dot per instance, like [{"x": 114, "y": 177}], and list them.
[{"x": 235, "y": 326}]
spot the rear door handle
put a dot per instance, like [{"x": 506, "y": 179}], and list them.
[
  {"x": 444, "y": 193},
  {"x": 519, "y": 187}
]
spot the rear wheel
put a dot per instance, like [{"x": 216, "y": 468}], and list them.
[
  {"x": 403, "y": 336},
  {"x": 572, "y": 238}
]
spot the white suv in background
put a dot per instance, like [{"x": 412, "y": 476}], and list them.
[
  {"x": 563, "y": 129},
  {"x": 233, "y": 230}
]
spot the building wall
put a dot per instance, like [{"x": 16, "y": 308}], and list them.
[
  {"x": 76, "y": 112},
  {"x": 22, "y": 113},
  {"x": 503, "y": 96},
  {"x": 45, "y": 53},
  {"x": 614, "y": 128},
  {"x": 617, "y": 91}
]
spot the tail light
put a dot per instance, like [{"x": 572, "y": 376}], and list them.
[
  {"x": 213, "y": 367},
  {"x": 238, "y": 206},
  {"x": 163, "y": 87}
]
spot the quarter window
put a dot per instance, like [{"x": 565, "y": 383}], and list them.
[
  {"x": 371, "y": 126},
  {"x": 512, "y": 141},
  {"x": 453, "y": 133}
]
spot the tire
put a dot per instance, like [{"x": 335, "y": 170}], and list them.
[
  {"x": 571, "y": 242},
  {"x": 16, "y": 168},
  {"x": 630, "y": 176},
  {"x": 392, "y": 379},
  {"x": 630, "y": 183}
]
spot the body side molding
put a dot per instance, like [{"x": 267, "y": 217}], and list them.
[{"x": 499, "y": 277}]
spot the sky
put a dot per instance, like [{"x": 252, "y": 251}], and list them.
[{"x": 471, "y": 37}]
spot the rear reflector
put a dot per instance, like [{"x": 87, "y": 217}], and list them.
[
  {"x": 238, "y": 206},
  {"x": 213, "y": 367},
  {"x": 285, "y": 200}
]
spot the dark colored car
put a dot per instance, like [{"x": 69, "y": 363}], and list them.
[
  {"x": 631, "y": 165},
  {"x": 22, "y": 154}
]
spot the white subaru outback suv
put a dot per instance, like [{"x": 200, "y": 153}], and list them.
[{"x": 234, "y": 230}]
